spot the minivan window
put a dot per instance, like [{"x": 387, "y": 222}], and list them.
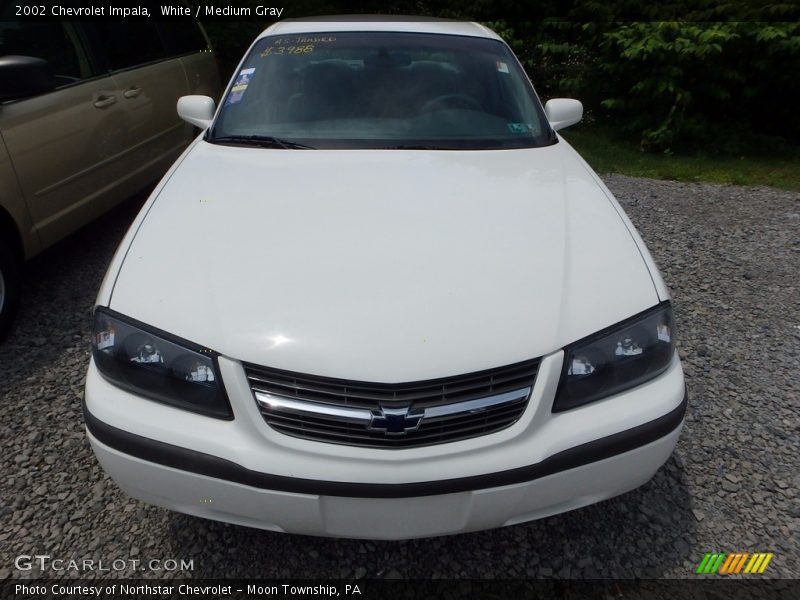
[
  {"x": 382, "y": 90},
  {"x": 126, "y": 44},
  {"x": 182, "y": 37},
  {"x": 57, "y": 43}
]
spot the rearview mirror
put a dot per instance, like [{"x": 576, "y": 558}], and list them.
[
  {"x": 23, "y": 76},
  {"x": 197, "y": 110},
  {"x": 563, "y": 112}
]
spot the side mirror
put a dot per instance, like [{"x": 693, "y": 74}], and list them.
[
  {"x": 197, "y": 110},
  {"x": 23, "y": 76},
  {"x": 563, "y": 112}
]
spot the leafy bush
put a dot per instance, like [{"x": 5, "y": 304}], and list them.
[
  {"x": 692, "y": 80},
  {"x": 723, "y": 78}
]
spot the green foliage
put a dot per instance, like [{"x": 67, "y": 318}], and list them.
[
  {"x": 674, "y": 80},
  {"x": 698, "y": 73}
]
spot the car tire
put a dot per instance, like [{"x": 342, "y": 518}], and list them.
[{"x": 9, "y": 287}]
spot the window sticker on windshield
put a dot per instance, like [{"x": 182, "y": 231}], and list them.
[
  {"x": 520, "y": 127},
  {"x": 239, "y": 86},
  {"x": 502, "y": 67}
]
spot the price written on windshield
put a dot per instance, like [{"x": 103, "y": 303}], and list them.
[
  {"x": 278, "y": 50},
  {"x": 296, "y": 45}
]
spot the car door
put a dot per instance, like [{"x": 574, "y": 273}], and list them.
[
  {"x": 64, "y": 145},
  {"x": 148, "y": 83}
]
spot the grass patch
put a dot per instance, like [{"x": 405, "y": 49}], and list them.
[{"x": 609, "y": 154}]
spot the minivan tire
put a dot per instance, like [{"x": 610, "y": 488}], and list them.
[{"x": 9, "y": 287}]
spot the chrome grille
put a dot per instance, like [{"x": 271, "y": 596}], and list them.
[{"x": 402, "y": 415}]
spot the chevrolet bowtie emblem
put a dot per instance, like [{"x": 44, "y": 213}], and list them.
[{"x": 395, "y": 421}]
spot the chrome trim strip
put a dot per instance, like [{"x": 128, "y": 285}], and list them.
[
  {"x": 281, "y": 404},
  {"x": 476, "y": 405},
  {"x": 364, "y": 416}
]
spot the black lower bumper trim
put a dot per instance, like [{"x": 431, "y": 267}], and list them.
[{"x": 219, "y": 468}]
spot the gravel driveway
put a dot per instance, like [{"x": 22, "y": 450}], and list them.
[{"x": 731, "y": 256}]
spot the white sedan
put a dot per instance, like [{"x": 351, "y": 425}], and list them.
[{"x": 381, "y": 297}]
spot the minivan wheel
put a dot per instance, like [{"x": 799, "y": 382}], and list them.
[{"x": 9, "y": 287}]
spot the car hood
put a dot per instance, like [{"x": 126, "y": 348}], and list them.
[{"x": 387, "y": 265}]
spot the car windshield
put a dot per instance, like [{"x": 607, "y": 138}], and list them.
[{"x": 381, "y": 90}]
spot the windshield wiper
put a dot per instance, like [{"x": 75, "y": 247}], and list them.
[
  {"x": 417, "y": 147},
  {"x": 263, "y": 141}
]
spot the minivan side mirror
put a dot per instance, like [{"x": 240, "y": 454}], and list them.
[
  {"x": 197, "y": 110},
  {"x": 563, "y": 112},
  {"x": 23, "y": 76}
]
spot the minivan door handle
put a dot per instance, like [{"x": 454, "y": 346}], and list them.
[
  {"x": 105, "y": 100},
  {"x": 132, "y": 92}
]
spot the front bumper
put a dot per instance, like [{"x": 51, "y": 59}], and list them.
[
  {"x": 383, "y": 518},
  {"x": 243, "y": 472}
]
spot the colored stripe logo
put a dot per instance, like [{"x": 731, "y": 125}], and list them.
[{"x": 734, "y": 563}]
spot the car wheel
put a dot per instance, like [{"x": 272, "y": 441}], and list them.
[{"x": 9, "y": 287}]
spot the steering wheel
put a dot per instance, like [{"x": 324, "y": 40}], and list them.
[{"x": 459, "y": 100}]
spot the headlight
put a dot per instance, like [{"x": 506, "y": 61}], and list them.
[
  {"x": 158, "y": 366},
  {"x": 617, "y": 358}
]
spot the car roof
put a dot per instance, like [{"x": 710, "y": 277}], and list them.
[{"x": 344, "y": 23}]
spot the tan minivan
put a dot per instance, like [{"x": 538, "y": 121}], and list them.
[{"x": 87, "y": 118}]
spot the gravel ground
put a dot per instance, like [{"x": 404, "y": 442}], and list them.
[{"x": 731, "y": 256}]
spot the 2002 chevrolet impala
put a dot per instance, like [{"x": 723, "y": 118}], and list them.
[{"x": 380, "y": 297}]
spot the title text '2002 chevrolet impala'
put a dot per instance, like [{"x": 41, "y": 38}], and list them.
[{"x": 380, "y": 297}]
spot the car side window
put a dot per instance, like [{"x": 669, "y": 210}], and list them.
[
  {"x": 57, "y": 43},
  {"x": 127, "y": 44}
]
